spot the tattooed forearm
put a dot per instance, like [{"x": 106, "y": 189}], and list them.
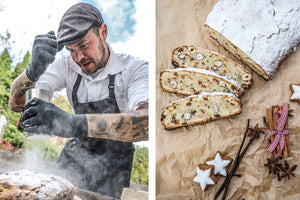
[
  {"x": 17, "y": 92},
  {"x": 126, "y": 127}
]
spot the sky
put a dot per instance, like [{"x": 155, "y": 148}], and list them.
[{"x": 131, "y": 24}]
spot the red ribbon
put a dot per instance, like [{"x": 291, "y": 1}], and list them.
[{"x": 280, "y": 132}]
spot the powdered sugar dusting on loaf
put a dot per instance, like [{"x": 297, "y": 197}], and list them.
[
  {"x": 266, "y": 30},
  {"x": 43, "y": 185}
]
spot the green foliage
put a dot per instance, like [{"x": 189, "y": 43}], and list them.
[
  {"x": 20, "y": 67},
  {"x": 4, "y": 40},
  {"x": 13, "y": 136},
  {"x": 7, "y": 75},
  {"x": 140, "y": 166}
]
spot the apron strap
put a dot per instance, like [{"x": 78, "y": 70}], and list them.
[
  {"x": 111, "y": 86},
  {"x": 75, "y": 89}
]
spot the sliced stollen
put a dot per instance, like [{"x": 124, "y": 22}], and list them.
[
  {"x": 195, "y": 57},
  {"x": 260, "y": 33},
  {"x": 200, "y": 109},
  {"x": 190, "y": 81}
]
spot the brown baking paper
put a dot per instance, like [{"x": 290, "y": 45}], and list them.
[{"x": 179, "y": 151}]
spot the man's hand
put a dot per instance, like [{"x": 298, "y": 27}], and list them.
[
  {"x": 43, "y": 53},
  {"x": 42, "y": 117}
]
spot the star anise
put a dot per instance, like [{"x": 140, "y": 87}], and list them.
[
  {"x": 289, "y": 113},
  {"x": 273, "y": 166},
  {"x": 287, "y": 171},
  {"x": 253, "y": 131}
]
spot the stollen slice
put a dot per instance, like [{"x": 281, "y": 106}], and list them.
[
  {"x": 195, "y": 57},
  {"x": 200, "y": 109},
  {"x": 191, "y": 81}
]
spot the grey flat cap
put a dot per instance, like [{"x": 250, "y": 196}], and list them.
[{"x": 76, "y": 22}]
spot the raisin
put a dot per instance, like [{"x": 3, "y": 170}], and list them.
[
  {"x": 175, "y": 64},
  {"x": 217, "y": 116}
]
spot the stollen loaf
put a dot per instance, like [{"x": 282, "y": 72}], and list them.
[
  {"x": 33, "y": 185},
  {"x": 190, "y": 81},
  {"x": 195, "y": 57},
  {"x": 258, "y": 32},
  {"x": 200, "y": 109}
]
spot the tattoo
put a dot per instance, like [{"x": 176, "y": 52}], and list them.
[
  {"x": 17, "y": 92},
  {"x": 119, "y": 125},
  {"x": 126, "y": 127}
]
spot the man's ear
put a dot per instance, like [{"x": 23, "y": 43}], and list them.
[{"x": 103, "y": 32}]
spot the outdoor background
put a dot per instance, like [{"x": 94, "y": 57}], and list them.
[{"x": 130, "y": 31}]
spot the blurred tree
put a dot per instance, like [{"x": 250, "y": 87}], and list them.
[
  {"x": 62, "y": 102},
  {"x": 140, "y": 166},
  {"x": 7, "y": 74}
]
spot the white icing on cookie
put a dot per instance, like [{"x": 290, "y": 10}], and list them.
[
  {"x": 203, "y": 177},
  {"x": 219, "y": 164},
  {"x": 296, "y": 94}
]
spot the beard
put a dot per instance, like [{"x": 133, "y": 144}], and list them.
[{"x": 102, "y": 62}]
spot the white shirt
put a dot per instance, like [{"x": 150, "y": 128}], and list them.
[{"x": 131, "y": 80}]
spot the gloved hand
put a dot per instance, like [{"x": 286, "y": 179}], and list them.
[
  {"x": 43, "y": 53},
  {"x": 42, "y": 117}
]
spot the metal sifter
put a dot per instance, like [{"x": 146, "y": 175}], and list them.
[{"x": 44, "y": 95}]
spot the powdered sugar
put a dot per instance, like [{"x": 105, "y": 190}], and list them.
[
  {"x": 265, "y": 30},
  {"x": 41, "y": 184},
  {"x": 203, "y": 177}
]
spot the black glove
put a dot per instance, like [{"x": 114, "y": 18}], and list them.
[
  {"x": 42, "y": 117},
  {"x": 43, "y": 53}
]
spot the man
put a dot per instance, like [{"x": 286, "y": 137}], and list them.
[{"x": 109, "y": 94}]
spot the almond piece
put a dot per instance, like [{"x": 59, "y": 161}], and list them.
[
  {"x": 246, "y": 77},
  {"x": 181, "y": 56},
  {"x": 186, "y": 116},
  {"x": 222, "y": 84},
  {"x": 215, "y": 108},
  {"x": 199, "y": 56},
  {"x": 218, "y": 63}
]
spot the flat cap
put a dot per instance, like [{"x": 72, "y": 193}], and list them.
[{"x": 76, "y": 22}]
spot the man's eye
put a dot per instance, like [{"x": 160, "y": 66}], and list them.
[{"x": 83, "y": 45}]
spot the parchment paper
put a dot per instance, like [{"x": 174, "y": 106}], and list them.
[{"x": 179, "y": 151}]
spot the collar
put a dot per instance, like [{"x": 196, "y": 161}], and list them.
[{"x": 113, "y": 66}]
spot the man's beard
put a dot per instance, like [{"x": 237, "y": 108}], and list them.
[{"x": 102, "y": 62}]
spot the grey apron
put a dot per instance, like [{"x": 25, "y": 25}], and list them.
[{"x": 94, "y": 164}]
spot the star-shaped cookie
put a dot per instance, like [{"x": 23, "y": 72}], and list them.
[
  {"x": 295, "y": 92},
  {"x": 220, "y": 163},
  {"x": 205, "y": 176}
]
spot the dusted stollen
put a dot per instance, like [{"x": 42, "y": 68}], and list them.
[
  {"x": 259, "y": 32},
  {"x": 179, "y": 151}
]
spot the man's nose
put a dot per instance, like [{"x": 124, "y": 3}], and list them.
[{"x": 78, "y": 56}]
